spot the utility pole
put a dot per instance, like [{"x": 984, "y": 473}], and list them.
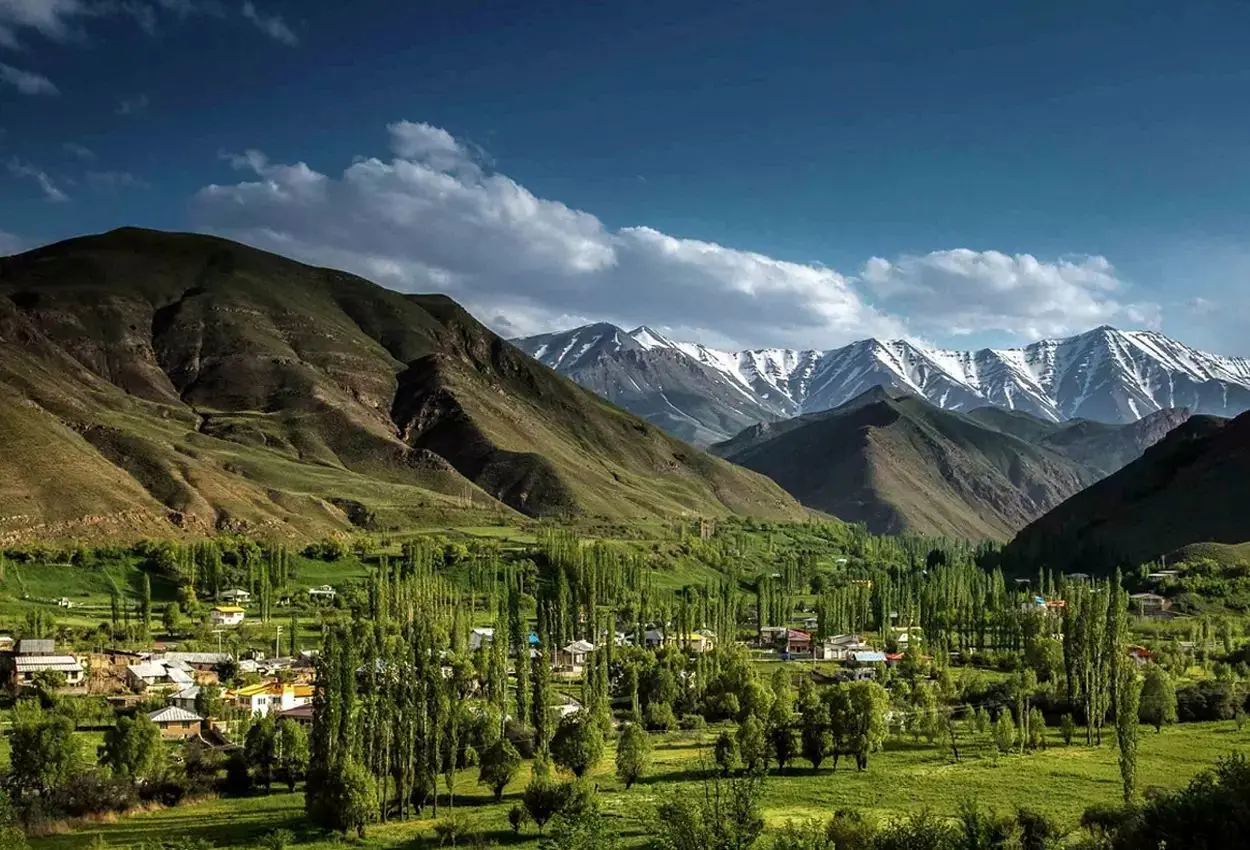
[{"x": 277, "y": 643}]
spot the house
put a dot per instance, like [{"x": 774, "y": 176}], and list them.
[
  {"x": 227, "y": 615},
  {"x": 176, "y": 723},
  {"x": 301, "y": 714},
  {"x": 203, "y": 662},
  {"x": 905, "y": 636},
  {"x": 263, "y": 698},
  {"x": 1140, "y": 655},
  {"x": 798, "y": 643},
  {"x": 651, "y": 639},
  {"x": 811, "y": 623},
  {"x": 574, "y": 655},
  {"x": 1155, "y": 578},
  {"x": 697, "y": 642},
  {"x": 480, "y": 637},
  {"x": 159, "y": 674},
  {"x": 33, "y": 647},
  {"x": 234, "y": 596},
  {"x": 1149, "y": 604},
  {"x": 324, "y": 593},
  {"x": 840, "y": 647},
  {"x": 6, "y": 643},
  {"x": 185, "y": 698},
  {"x": 26, "y": 666},
  {"x": 868, "y": 657},
  {"x": 1077, "y": 576},
  {"x": 64, "y": 602},
  {"x": 772, "y": 636}
]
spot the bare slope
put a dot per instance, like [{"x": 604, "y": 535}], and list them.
[{"x": 161, "y": 376}]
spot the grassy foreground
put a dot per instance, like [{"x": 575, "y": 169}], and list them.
[{"x": 1060, "y": 781}]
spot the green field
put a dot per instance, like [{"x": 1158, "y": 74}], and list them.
[{"x": 1060, "y": 781}]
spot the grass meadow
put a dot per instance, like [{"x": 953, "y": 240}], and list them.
[{"x": 1060, "y": 781}]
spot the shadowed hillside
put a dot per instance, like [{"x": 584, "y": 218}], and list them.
[
  {"x": 1192, "y": 487},
  {"x": 147, "y": 377},
  {"x": 898, "y": 463}
]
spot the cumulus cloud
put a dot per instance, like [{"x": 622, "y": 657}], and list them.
[
  {"x": 46, "y": 184},
  {"x": 26, "y": 82},
  {"x": 964, "y": 292},
  {"x": 431, "y": 218},
  {"x": 271, "y": 25}
]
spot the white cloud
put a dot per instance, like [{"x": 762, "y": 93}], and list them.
[
  {"x": 78, "y": 151},
  {"x": 965, "y": 292},
  {"x": 132, "y": 105},
  {"x": 431, "y": 218},
  {"x": 24, "y": 170},
  {"x": 49, "y": 17},
  {"x": 271, "y": 25},
  {"x": 113, "y": 180},
  {"x": 26, "y": 82}
]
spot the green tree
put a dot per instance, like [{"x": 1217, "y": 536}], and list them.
[
  {"x": 133, "y": 748},
  {"x": 1128, "y": 703},
  {"x": 753, "y": 744},
  {"x": 1158, "y": 698},
  {"x": 1004, "y": 732},
  {"x": 293, "y": 752},
  {"x": 47, "y": 686},
  {"x": 209, "y": 702},
  {"x": 359, "y": 796},
  {"x": 173, "y": 619},
  {"x": 44, "y": 751},
  {"x": 725, "y": 816},
  {"x": 542, "y": 797},
  {"x": 581, "y": 828},
  {"x": 633, "y": 754},
  {"x": 578, "y": 743},
  {"x": 725, "y": 752},
  {"x": 499, "y": 765},
  {"x": 541, "y": 704},
  {"x": 145, "y": 605},
  {"x": 1067, "y": 729},
  {"x": 260, "y": 748}
]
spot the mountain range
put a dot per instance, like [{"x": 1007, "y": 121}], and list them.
[
  {"x": 706, "y": 395},
  {"x": 898, "y": 463},
  {"x": 149, "y": 378}
]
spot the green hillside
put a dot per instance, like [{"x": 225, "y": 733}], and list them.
[{"x": 149, "y": 378}]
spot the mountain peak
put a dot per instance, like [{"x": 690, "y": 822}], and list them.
[{"x": 648, "y": 338}]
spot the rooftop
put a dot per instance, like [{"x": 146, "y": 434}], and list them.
[{"x": 173, "y": 714}]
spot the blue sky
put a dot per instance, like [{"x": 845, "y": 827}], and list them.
[{"x": 746, "y": 173}]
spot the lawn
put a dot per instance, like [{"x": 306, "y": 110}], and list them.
[{"x": 1061, "y": 781}]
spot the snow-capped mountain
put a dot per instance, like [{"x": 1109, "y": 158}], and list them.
[{"x": 1104, "y": 375}]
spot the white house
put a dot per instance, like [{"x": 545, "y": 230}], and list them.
[
  {"x": 227, "y": 615},
  {"x": 159, "y": 674},
  {"x": 26, "y": 666},
  {"x": 840, "y": 647},
  {"x": 271, "y": 696},
  {"x": 480, "y": 637},
  {"x": 234, "y": 596},
  {"x": 324, "y": 593},
  {"x": 574, "y": 655}
]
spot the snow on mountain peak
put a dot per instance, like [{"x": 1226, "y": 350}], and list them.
[{"x": 1103, "y": 374}]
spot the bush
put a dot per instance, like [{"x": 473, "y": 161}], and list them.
[
  {"x": 692, "y": 722},
  {"x": 660, "y": 717},
  {"x": 279, "y": 839},
  {"x": 1205, "y": 700}
]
